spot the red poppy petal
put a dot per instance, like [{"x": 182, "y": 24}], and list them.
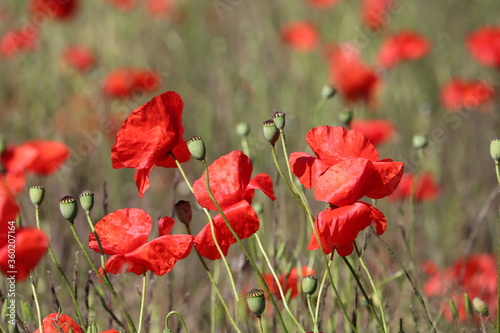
[
  {"x": 229, "y": 178},
  {"x": 8, "y": 211},
  {"x": 181, "y": 153},
  {"x": 262, "y": 182},
  {"x": 30, "y": 245},
  {"x": 17, "y": 159},
  {"x": 141, "y": 178},
  {"x": 64, "y": 323},
  {"x": 242, "y": 218},
  {"x": 345, "y": 250},
  {"x": 302, "y": 166},
  {"x": 165, "y": 224},
  {"x": 51, "y": 155},
  {"x": 390, "y": 174},
  {"x": 377, "y": 131},
  {"x": 122, "y": 231},
  {"x": 16, "y": 181}
]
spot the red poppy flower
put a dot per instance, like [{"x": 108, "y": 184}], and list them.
[
  {"x": 57, "y": 9},
  {"x": 79, "y": 57},
  {"x": 376, "y": 14},
  {"x": 346, "y": 167},
  {"x": 377, "y": 131},
  {"x": 232, "y": 187},
  {"x": 353, "y": 79},
  {"x": 300, "y": 36},
  {"x": 124, "y": 5},
  {"x": 406, "y": 45},
  {"x": 459, "y": 94},
  {"x": 149, "y": 137},
  {"x": 8, "y": 208},
  {"x": 476, "y": 276},
  {"x": 322, "y": 4},
  {"x": 124, "y": 234},
  {"x": 160, "y": 7},
  {"x": 289, "y": 282},
  {"x": 31, "y": 244},
  {"x": 426, "y": 188},
  {"x": 124, "y": 82},
  {"x": 15, "y": 41},
  {"x": 484, "y": 45},
  {"x": 55, "y": 322}
]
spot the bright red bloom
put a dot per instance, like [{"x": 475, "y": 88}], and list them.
[
  {"x": 353, "y": 79},
  {"x": 124, "y": 234},
  {"x": 289, "y": 282},
  {"x": 476, "y": 276},
  {"x": 232, "y": 187},
  {"x": 300, "y": 36},
  {"x": 124, "y": 82},
  {"x": 57, "y": 9},
  {"x": 322, "y": 4},
  {"x": 64, "y": 322},
  {"x": 15, "y": 41},
  {"x": 459, "y": 94},
  {"x": 405, "y": 45},
  {"x": 149, "y": 137},
  {"x": 376, "y": 14},
  {"x": 426, "y": 188},
  {"x": 484, "y": 45},
  {"x": 79, "y": 57},
  {"x": 8, "y": 208},
  {"x": 377, "y": 131}
]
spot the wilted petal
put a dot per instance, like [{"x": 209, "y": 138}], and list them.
[{"x": 262, "y": 182}]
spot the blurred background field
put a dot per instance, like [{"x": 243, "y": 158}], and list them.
[{"x": 229, "y": 63}]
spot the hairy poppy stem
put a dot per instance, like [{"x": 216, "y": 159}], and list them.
[
  {"x": 143, "y": 298},
  {"x": 497, "y": 168},
  {"x": 309, "y": 306},
  {"x": 171, "y": 313}
]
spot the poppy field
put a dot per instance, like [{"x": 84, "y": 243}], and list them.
[{"x": 249, "y": 166}]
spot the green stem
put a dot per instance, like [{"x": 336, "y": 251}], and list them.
[
  {"x": 180, "y": 318},
  {"x": 309, "y": 306},
  {"x": 37, "y": 305},
  {"x": 245, "y": 146},
  {"x": 259, "y": 320},
  {"x": 497, "y": 168},
  {"x": 143, "y": 298},
  {"x": 413, "y": 192},
  {"x": 101, "y": 251}
]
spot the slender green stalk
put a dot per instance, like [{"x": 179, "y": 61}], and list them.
[
  {"x": 497, "y": 168},
  {"x": 180, "y": 318},
  {"x": 259, "y": 320},
  {"x": 101, "y": 251},
  {"x": 245, "y": 146},
  {"x": 309, "y": 306},
  {"x": 143, "y": 298},
  {"x": 37, "y": 305},
  {"x": 413, "y": 192}
]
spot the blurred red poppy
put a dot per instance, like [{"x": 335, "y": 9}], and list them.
[
  {"x": 150, "y": 136},
  {"x": 79, "y": 57},
  {"x": 376, "y": 14},
  {"x": 459, "y": 94},
  {"x": 233, "y": 189},
  {"x": 15, "y": 41},
  {"x": 124, "y": 82},
  {"x": 476, "y": 276},
  {"x": 57, "y": 9},
  {"x": 300, "y": 36},
  {"x": 124, "y": 5},
  {"x": 377, "y": 131},
  {"x": 124, "y": 234},
  {"x": 353, "y": 79},
  {"x": 9, "y": 208},
  {"x": 426, "y": 188},
  {"x": 322, "y": 4},
  {"x": 484, "y": 45},
  {"x": 57, "y": 322},
  {"x": 160, "y": 7},
  {"x": 289, "y": 282},
  {"x": 405, "y": 45}
]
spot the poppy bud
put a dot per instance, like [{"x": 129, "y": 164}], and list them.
[
  {"x": 37, "y": 194},
  {"x": 279, "y": 119},
  {"x": 69, "y": 208},
  {"x": 328, "y": 92},
  {"x": 258, "y": 207},
  {"x": 453, "y": 310},
  {"x": 256, "y": 301},
  {"x": 480, "y": 307},
  {"x": 495, "y": 150},
  {"x": 87, "y": 200},
  {"x": 309, "y": 284},
  {"x": 345, "y": 118},
  {"x": 243, "y": 129},
  {"x": 183, "y": 211},
  {"x": 468, "y": 305},
  {"x": 420, "y": 141},
  {"x": 271, "y": 132},
  {"x": 196, "y": 147}
]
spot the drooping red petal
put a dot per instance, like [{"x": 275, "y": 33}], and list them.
[
  {"x": 165, "y": 224},
  {"x": 141, "y": 178},
  {"x": 181, "y": 153},
  {"x": 389, "y": 175},
  {"x": 229, "y": 177},
  {"x": 30, "y": 246},
  {"x": 50, "y": 156},
  {"x": 262, "y": 182},
  {"x": 55, "y": 322},
  {"x": 242, "y": 218},
  {"x": 122, "y": 231}
]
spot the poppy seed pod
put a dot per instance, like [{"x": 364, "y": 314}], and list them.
[
  {"x": 69, "y": 208},
  {"x": 328, "y": 92},
  {"x": 480, "y": 307},
  {"x": 183, "y": 211},
  {"x": 279, "y": 119},
  {"x": 243, "y": 129},
  {"x": 271, "y": 132},
  {"x": 420, "y": 141},
  {"x": 309, "y": 284},
  {"x": 196, "y": 147},
  {"x": 345, "y": 118},
  {"x": 495, "y": 150},
  {"x": 256, "y": 301},
  {"x": 87, "y": 200},
  {"x": 37, "y": 194}
]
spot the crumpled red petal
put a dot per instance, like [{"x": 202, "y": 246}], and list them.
[
  {"x": 181, "y": 153},
  {"x": 302, "y": 166},
  {"x": 122, "y": 231},
  {"x": 8, "y": 210},
  {"x": 165, "y": 224},
  {"x": 242, "y": 218},
  {"x": 141, "y": 178},
  {"x": 262, "y": 182},
  {"x": 390, "y": 174},
  {"x": 64, "y": 322},
  {"x": 16, "y": 159}
]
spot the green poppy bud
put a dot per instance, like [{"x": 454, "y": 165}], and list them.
[
  {"x": 420, "y": 141},
  {"x": 328, "y": 92},
  {"x": 468, "y": 305},
  {"x": 87, "y": 200},
  {"x": 183, "y": 211},
  {"x": 196, "y": 147},
  {"x": 453, "y": 309},
  {"x": 495, "y": 150},
  {"x": 271, "y": 132},
  {"x": 243, "y": 129},
  {"x": 69, "y": 208},
  {"x": 37, "y": 193},
  {"x": 279, "y": 119},
  {"x": 309, "y": 284},
  {"x": 480, "y": 307},
  {"x": 256, "y": 301},
  {"x": 345, "y": 118}
]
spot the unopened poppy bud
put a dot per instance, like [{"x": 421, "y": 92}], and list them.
[
  {"x": 271, "y": 132},
  {"x": 420, "y": 141},
  {"x": 453, "y": 309},
  {"x": 495, "y": 150},
  {"x": 243, "y": 129},
  {"x": 480, "y": 307},
  {"x": 256, "y": 301},
  {"x": 279, "y": 119},
  {"x": 87, "y": 200},
  {"x": 258, "y": 207},
  {"x": 68, "y": 207},
  {"x": 468, "y": 305},
  {"x": 309, "y": 284},
  {"x": 345, "y": 118},
  {"x": 196, "y": 147},
  {"x": 328, "y": 91},
  {"x": 183, "y": 211},
  {"x": 37, "y": 193}
]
